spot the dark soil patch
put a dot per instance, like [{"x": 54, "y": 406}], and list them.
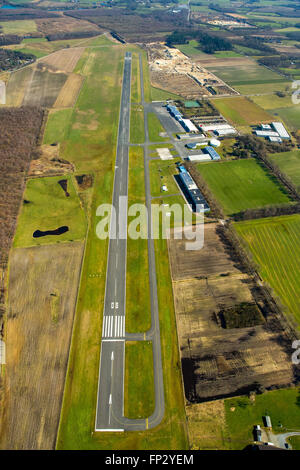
[
  {"x": 64, "y": 185},
  {"x": 58, "y": 231},
  {"x": 84, "y": 181}
]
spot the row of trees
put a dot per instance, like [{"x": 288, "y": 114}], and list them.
[{"x": 216, "y": 209}]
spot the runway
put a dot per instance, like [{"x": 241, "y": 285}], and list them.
[{"x": 110, "y": 400}]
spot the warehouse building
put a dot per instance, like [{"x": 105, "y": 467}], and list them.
[
  {"x": 188, "y": 125},
  {"x": 217, "y": 127},
  {"x": 224, "y": 132},
  {"x": 201, "y": 157},
  {"x": 192, "y": 192},
  {"x": 266, "y": 133},
  {"x": 212, "y": 153},
  {"x": 277, "y": 140},
  {"x": 281, "y": 130}
]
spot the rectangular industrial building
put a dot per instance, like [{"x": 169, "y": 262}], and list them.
[
  {"x": 192, "y": 191},
  {"x": 202, "y": 157},
  {"x": 275, "y": 139},
  {"x": 266, "y": 134},
  {"x": 212, "y": 152},
  {"x": 223, "y": 132},
  {"x": 188, "y": 125},
  {"x": 215, "y": 127},
  {"x": 281, "y": 130}
]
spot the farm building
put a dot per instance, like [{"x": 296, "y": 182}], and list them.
[
  {"x": 267, "y": 421},
  {"x": 266, "y": 133},
  {"x": 223, "y": 132},
  {"x": 275, "y": 139},
  {"x": 192, "y": 191},
  {"x": 202, "y": 157},
  {"x": 212, "y": 153},
  {"x": 216, "y": 127},
  {"x": 281, "y": 130}
]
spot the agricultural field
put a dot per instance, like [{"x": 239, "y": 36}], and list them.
[
  {"x": 242, "y": 71},
  {"x": 261, "y": 88},
  {"x": 69, "y": 92},
  {"x": 242, "y": 184},
  {"x": 64, "y": 60},
  {"x": 241, "y": 111},
  {"x": 65, "y": 24},
  {"x": 217, "y": 361},
  {"x": 290, "y": 115},
  {"x": 18, "y": 27},
  {"x": 43, "y": 283},
  {"x": 273, "y": 101},
  {"x": 275, "y": 246},
  {"x": 57, "y": 124},
  {"x": 46, "y": 207},
  {"x": 289, "y": 163},
  {"x": 43, "y": 87}
]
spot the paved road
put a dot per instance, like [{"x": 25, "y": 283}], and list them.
[{"x": 110, "y": 401}]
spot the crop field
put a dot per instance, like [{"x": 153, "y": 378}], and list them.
[
  {"x": 57, "y": 124},
  {"x": 18, "y": 27},
  {"x": 247, "y": 73},
  {"x": 289, "y": 163},
  {"x": 69, "y": 92},
  {"x": 272, "y": 101},
  {"x": 43, "y": 87},
  {"x": 275, "y": 246},
  {"x": 260, "y": 88},
  {"x": 48, "y": 208},
  {"x": 241, "y": 111},
  {"x": 64, "y": 60},
  {"x": 17, "y": 85},
  {"x": 290, "y": 115},
  {"x": 139, "y": 380},
  {"x": 242, "y": 184},
  {"x": 66, "y": 24},
  {"x": 217, "y": 361},
  {"x": 43, "y": 284}
]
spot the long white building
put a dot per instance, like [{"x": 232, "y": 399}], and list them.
[{"x": 281, "y": 130}]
